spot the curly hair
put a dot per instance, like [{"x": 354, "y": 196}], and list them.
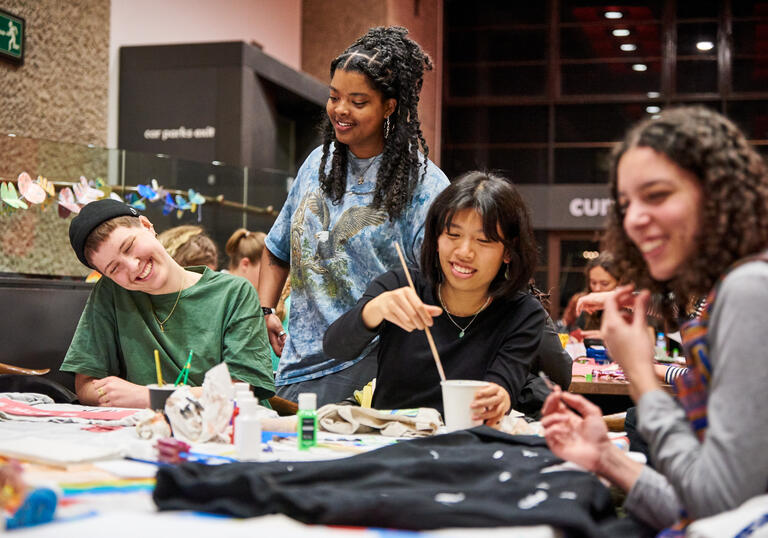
[
  {"x": 503, "y": 210},
  {"x": 734, "y": 213},
  {"x": 394, "y": 65}
]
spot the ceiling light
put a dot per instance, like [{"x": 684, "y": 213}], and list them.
[
  {"x": 620, "y": 32},
  {"x": 11, "y": 135},
  {"x": 216, "y": 163},
  {"x": 704, "y": 46},
  {"x": 613, "y": 15},
  {"x": 653, "y": 95},
  {"x": 628, "y": 47},
  {"x": 653, "y": 109},
  {"x": 639, "y": 67}
]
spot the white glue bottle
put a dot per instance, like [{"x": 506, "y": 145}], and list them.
[{"x": 248, "y": 430}]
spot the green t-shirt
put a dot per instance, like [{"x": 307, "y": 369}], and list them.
[{"x": 219, "y": 318}]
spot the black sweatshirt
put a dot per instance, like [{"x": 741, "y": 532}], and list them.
[{"x": 499, "y": 346}]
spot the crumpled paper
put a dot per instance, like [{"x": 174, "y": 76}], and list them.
[
  {"x": 205, "y": 419},
  {"x": 151, "y": 425}
]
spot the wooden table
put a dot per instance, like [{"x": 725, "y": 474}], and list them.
[{"x": 607, "y": 386}]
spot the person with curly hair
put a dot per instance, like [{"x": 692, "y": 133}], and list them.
[
  {"x": 690, "y": 218},
  {"x": 472, "y": 289},
  {"x": 369, "y": 184}
]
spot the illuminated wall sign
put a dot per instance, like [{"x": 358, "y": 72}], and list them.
[
  {"x": 568, "y": 207},
  {"x": 12, "y": 33},
  {"x": 589, "y": 207}
]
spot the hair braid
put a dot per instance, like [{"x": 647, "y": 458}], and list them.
[{"x": 395, "y": 65}]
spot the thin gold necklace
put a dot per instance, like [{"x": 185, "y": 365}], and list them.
[
  {"x": 448, "y": 313},
  {"x": 173, "y": 309},
  {"x": 361, "y": 177}
]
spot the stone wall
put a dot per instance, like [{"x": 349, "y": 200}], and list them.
[{"x": 59, "y": 93}]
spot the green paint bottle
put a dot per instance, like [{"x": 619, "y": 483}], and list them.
[{"x": 307, "y": 420}]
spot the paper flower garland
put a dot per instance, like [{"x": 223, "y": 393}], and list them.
[{"x": 72, "y": 199}]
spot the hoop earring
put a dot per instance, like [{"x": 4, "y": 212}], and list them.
[{"x": 387, "y": 127}]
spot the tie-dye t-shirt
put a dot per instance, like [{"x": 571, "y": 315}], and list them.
[{"x": 335, "y": 250}]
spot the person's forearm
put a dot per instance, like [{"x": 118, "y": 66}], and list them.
[
  {"x": 615, "y": 466},
  {"x": 642, "y": 381},
  {"x": 372, "y": 316},
  {"x": 272, "y": 276},
  {"x": 85, "y": 391},
  {"x": 346, "y": 337}
]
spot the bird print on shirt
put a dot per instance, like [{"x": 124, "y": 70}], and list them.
[{"x": 332, "y": 241}]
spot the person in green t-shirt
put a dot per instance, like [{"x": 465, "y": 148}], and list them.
[{"x": 149, "y": 302}]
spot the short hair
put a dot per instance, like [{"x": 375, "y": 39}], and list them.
[
  {"x": 103, "y": 231},
  {"x": 189, "y": 245},
  {"x": 734, "y": 182},
  {"x": 506, "y": 218},
  {"x": 244, "y": 244}
]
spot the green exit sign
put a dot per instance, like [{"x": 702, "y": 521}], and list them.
[{"x": 12, "y": 33}]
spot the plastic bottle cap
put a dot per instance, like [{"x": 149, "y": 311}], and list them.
[
  {"x": 249, "y": 407},
  {"x": 307, "y": 400},
  {"x": 241, "y": 385}
]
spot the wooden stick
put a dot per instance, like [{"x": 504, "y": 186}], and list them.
[{"x": 426, "y": 329}]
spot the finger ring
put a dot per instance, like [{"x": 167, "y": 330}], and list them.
[
  {"x": 100, "y": 391},
  {"x": 282, "y": 333}
]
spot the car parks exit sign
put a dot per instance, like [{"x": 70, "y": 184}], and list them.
[{"x": 12, "y": 33}]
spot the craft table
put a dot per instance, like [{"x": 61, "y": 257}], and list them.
[{"x": 114, "y": 498}]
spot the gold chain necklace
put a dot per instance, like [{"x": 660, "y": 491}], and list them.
[
  {"x": 462, "y": 329},
  {"x": 173, "y": 309}
]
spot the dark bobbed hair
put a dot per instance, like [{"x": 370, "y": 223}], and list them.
[
  {"x": 506, "y": 218},
  {"x": 734, "y": 212},
  {"x": 394, "y": 65}
]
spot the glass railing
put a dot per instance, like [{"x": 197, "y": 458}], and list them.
[{"x": 34, "y": 239}]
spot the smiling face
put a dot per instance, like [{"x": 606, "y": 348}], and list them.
[
  {"x": 468, "y": 259},
  {"x": 601, "y": 280},
  {"x": 135, "y": 260},
  {"x": 357, "y": 111},
  {"x": 661, "y": 203}
]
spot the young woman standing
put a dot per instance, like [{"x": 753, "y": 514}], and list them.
[{"x": 367, "y": 186}]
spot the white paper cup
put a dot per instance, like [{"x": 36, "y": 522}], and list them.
[
  {"x": 458, "y": 394},
  {"x": 158, "y": 395}
]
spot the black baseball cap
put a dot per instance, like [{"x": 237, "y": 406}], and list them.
[{"x": 90, "y": 217}]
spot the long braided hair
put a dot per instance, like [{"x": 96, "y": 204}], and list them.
[{"x": 394, "y": 65}]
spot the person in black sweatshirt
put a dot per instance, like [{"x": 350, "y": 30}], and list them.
[{"x": 476, "y": 260}]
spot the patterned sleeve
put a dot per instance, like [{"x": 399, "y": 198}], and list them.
[
  {"x": 433, "y": 184},
  {"x": 279, "y": 237}
]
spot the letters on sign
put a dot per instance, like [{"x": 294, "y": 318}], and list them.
[{"x": 589, "y": 207}]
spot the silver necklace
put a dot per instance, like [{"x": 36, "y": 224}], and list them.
[
  {"x": 361, "y": 177},
  {"x": 474, "y": 316}
]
